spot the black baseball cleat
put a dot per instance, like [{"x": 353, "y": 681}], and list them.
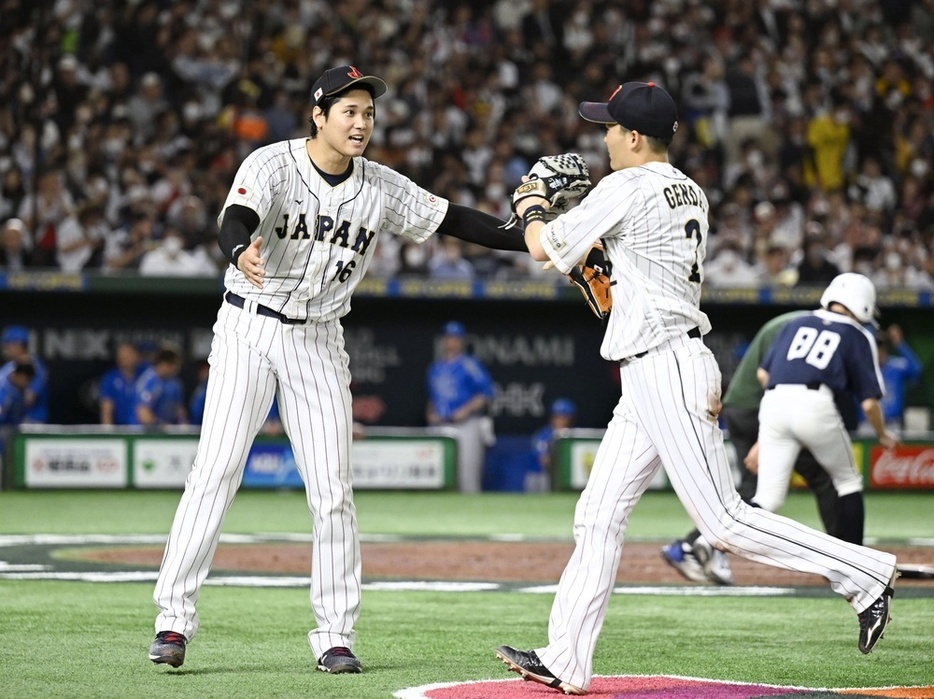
[
  {"x": 527, "y": 664},
  {"x": 874, "y": 619},
  {"x": 339, "y": 660},
  {"x": 168, "y": 648}
]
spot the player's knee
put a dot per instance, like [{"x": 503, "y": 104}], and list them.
[{"x": 768, "y": 501}]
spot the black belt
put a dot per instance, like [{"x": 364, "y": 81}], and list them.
[
  {"x": 693, "y": 333},
  {"x": 261, "y": 310},
  {"x": 811, "y": 386}
]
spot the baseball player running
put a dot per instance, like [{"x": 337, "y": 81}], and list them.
[
  {"x": 652, "y": 220},
  {"x": 299, "y": 227},
  {"x": 815, "y": 357},
  {"x": 693, "y": 556}
]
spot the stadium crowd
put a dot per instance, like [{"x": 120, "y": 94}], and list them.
[{"x": 810, "y": 123}]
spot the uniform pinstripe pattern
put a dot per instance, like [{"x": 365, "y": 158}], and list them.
[
  {"x": 312, "y": 231},
  {"x": 653, "y": 224},
  {"x": 650, "y": 244},
  {"x": 317, "y": 243}
]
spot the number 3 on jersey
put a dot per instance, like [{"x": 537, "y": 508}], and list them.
[
  {"x": 815, "y": 347},
  {"x": 344, "y": 270}
]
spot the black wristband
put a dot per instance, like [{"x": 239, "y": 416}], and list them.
[{"x": 534, "y": 213}]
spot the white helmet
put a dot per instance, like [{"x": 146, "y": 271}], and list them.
[{"x": 854, "y": 291}]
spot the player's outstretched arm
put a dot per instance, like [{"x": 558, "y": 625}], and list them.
[{"x": 479, "y": 227}]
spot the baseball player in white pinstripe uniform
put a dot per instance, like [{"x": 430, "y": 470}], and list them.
[
  {"x": 652, "y": 220},
  {"x": 299, "y": 227}
]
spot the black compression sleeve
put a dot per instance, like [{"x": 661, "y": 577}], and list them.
[
  {"x": 481, "y": 228},
  {"x": 234, "y": 237}
]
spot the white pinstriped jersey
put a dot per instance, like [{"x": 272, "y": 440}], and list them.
[
  {"x": 318, "y": 240},
  {"x": 652, "y": 220}
]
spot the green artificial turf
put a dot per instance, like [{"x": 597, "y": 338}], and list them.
[
  {"x": 78, "y": 639},
  {"x": 63, "y": 639},
  {"x": 658, "y": 516}
]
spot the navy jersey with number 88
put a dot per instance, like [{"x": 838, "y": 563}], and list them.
[{"x": 826, "y": 348}]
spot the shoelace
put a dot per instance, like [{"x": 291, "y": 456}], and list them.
[{"x": 341, "y": 651}]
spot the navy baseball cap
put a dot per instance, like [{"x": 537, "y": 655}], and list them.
[
  {"x": 14, "y": 333},
  {"x": 338, "y": 79},
  {"x": 454, "y": 328},
  {"x": 563, "y": 406},
  {"x": 643, "y": 107}
]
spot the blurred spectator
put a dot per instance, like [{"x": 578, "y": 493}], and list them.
[
  {"x": 414, "y": 258},
  {"x": 828, "y": 135},
  {"x": 170, "y": 259},
  {"x": 160, "y": 396},
  {"x": 561, "y": 416},
  {"x": 15, "y": 247},
  {"x": 775, "y": 270},
  {"x": 144, "y": 107},
  {"x": 875, "y": 189},
  {"x": 44, "y": 212},
  {"x": 15, "y": 343},
  {"x": 136, "y": 110},
  {"x": 117, "y": 387},
  {"x": 815, "y": 268},
  {"x": 80, "y": 239},
  {"x": 449, "y": 262},
  {"x": 729, "y": 268},
  {"x": 125, "y": 247},
  {"x": 895, "y": 273},
  {"x": 12, "y": 189},
  {"x": 900, "y": 371},
  {"x": 747, "y": 110}
]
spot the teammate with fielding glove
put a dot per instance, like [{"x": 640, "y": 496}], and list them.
[
  {"x": 592, "y": 277},
  {"x": 557, "y": 180}
]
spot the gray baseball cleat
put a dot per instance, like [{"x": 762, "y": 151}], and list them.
[
  {"x": 339, "y": 660},
  {"x": 168, "y": 648}
]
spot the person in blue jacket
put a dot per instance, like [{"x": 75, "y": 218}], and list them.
[
  {"x": 460, "y": 391},
  {"x": 117, "y": 389},
  {"x": 899, "y": 372},
  {"x": 160, "y": 396},
  {"x": 13, "y": 389},
  {"x": 15, "y": 343},
  {"x": 561, "y": 417}
]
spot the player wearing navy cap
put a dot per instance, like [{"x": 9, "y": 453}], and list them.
[
  {"x": 816, "y": 357},
  {"x": 652, "y": 221},
  {"x": 299, "y": 227},
  {"x": 561, "y": 417},
  {"x": 460, "y": 391}
]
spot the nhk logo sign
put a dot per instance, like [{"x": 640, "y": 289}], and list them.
[{"x": 903, "y": 467}]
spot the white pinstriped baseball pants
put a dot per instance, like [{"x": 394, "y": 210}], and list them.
[
  {"x": 252, "y": 359},
  {"x": 662, "y": 418}
]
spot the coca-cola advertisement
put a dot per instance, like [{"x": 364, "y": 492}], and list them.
[{"x": 903, "y": 467}]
